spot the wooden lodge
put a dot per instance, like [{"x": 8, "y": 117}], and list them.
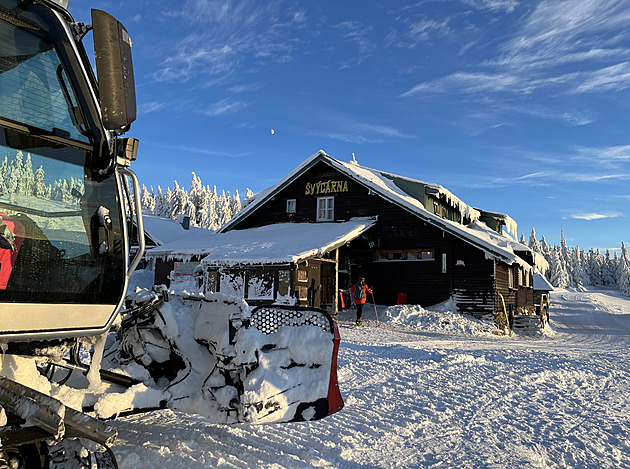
[{"x": 425, "y": 244}]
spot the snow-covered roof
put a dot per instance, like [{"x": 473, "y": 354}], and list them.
[
  {"x": 495, "y": 245},
  {"x": 165, "y": 230},
  {"x": 541, "y": 283},
  {"x": 272, "y": 244}
]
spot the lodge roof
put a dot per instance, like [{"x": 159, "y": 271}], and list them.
[
  {"x": 281, "y": 243},
  {"x": 405, "y": 193}
]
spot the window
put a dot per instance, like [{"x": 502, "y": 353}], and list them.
[
  {"x": 325, "y": 209},
  {"x": 290, "y": 205},
  {"x": 405, "y": 255},
  {"x": 35, "y": 87},
  {"x": 510, "y": 277},
  {"x": 526, "y": 279},
  {"x": 443, "y": 262},
  {"x": 436, "y": 208}
]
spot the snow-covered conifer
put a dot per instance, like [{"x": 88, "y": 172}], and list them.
[
  {"x": 557, "y": 273},
  {"x": 608, "y": 270},
  {"x": 147, "y": 200},
  {"x": 577, "y": 267},
  {"x": 533, "y": 244},
  {"x": 39, "y": 188}
]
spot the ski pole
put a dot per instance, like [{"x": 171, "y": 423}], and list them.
[{"x": 375, "y": 312}]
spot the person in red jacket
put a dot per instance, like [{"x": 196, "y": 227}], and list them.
[{"x": 359, "y": 293}]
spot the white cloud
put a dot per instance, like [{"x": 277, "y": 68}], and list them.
[
  {"x": 613, "y": 78},
  {"x": 612, "y": 154},
  {"x": 221, "y": 35},
  {"x": 593, "y": 216},
  {"x": 225, "y": 106},
  {"x": 152, "y": 106},
  {"x": 494, "y": 5},
  {"x": 463, "y": 82},
  {"x": 348, "y": 129},
  {"x": 568, "y": 46}
]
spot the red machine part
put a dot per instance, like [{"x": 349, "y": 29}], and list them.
[
  {"x": 9, "y": 255},
  {"x": 335, "y": 401}
]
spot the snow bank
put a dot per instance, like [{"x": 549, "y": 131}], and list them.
[{"x": 439, "y": 318}]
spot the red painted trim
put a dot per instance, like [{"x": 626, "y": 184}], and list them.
[{"x": 335, "y": 401}]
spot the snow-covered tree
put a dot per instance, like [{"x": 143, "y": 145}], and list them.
[
  {"x": 608, "y": 270},
  {"x": 205, "y": 208},
  {"x": 147, "y": 200},
  {"x": 39, "y": 186},
  {"x": 577, "y": 267},
  {"x": 594, "y": 267},
  {"x": 533, "y": 244},
  {"x": 557, "y": 272},
  {"x": 623, "y": 271}
]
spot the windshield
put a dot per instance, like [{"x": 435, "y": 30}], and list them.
[
  {"x": 34, "y": 87},
  {"x": 61, "y": 232}
]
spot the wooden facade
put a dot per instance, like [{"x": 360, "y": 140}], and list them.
[
  {"x": 311, "y": 282},
  {"x": 405, "y": 251}
]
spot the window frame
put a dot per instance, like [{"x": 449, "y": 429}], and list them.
[
  {"x": 291, "y": 206},
  {"x": 329, "y": 209}
]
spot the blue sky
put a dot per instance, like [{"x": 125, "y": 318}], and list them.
[{"x": 515, "y": 106}]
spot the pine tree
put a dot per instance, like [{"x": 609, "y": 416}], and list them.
[
  {"x": 623, "y": 276},
  {"x": 577, "y": 267},
  {"x": 39, "y": 189},
  {"x": 534, "y": 245},
  {"x": 557, "y": 273},
  {"x": 15, "y": 173},
  {"x": 608, "y": 271},
  {"x": 594, "y": 267},
  {"x": 544, "y": 246},
  {"x": 27, "y": 185},
  {"x": 147, "y": 200}
]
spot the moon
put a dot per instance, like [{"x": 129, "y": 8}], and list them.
[{"x": 273, "y": 131}]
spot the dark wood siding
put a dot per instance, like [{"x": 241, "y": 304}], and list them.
[
  {"x": 509, "y": 294},
  {"x": 348, "y": 204},
  {"x": 473, "y": 280}
]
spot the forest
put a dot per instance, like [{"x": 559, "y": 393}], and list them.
[{"x": 573, "y": 267}]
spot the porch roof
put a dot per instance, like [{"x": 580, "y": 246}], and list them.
[{"x": 281, "y": 243}]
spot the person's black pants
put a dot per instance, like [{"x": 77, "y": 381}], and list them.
[{"x": 359, "y": 310}]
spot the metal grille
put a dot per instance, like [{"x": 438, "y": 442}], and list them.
[{"x": 268, "y": 319}]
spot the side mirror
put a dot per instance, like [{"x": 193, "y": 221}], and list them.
[{"x": 114, "y": 68}]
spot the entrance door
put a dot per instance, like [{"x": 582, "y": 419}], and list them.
[{"x": 314, "y": 294}]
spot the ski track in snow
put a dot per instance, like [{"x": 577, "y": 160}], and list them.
[{"x": 422, "y": 397}]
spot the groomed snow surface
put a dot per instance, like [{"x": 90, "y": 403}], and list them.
[{"x": 437, "y": 389}]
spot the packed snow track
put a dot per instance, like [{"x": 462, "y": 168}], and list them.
[{"x": 436, "y": 389}]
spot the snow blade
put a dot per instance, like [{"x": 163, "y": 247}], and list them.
[
  {"x": 296, "y": 352},
  {"x": 210, "y": 355}
]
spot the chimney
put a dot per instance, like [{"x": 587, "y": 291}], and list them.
[{"x": 184, "y": 220}]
